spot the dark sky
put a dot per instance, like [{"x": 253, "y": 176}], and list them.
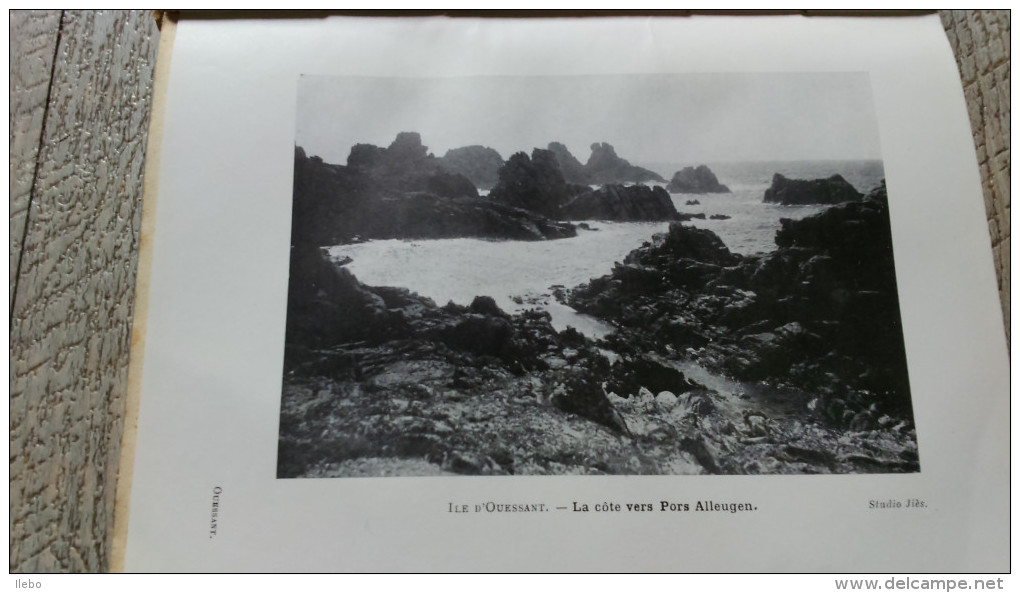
[{"x": 684, "y": 118}]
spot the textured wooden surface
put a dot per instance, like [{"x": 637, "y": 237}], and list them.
[
  {"x": 72, "y": 298},
  {"x": 80, "y": 99},
  {"x": 33, "y": 43}
]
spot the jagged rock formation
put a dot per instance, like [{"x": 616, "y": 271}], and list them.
[
  {"x": 537, "y": 183},
  {"x": 794, "y": 192},
  {"x": 534, "y": 183},
  {"x": 700, "y": 180},
  {"x": 573, "y": 170},
  {"x": 406, "y": 166},
  {"x": 480, "y": 164},
  {"x": 621, "y": 203},
  {"x": 400, "y": 192},
  {"x": 821, "y": 312},
  {"x": 604, "y": 166}
]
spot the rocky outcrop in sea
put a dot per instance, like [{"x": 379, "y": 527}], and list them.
[
  {"x": 480, "y": 164},
  {"x": 573, "y": 171},
  {"x": 796, "y": 192},
  {"x": 621, "y": 203},
  {"x": 534, "y": 183},
  {"x": 537, "y": 183},
  {"x": 700, "y": 180},
  {"x": 401, "y": 192},
  {"x": 604, "y": 166}
]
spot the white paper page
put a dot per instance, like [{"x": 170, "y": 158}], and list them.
[{"x": 210, "y": 407}]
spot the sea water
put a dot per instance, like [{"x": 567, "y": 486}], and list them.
[
  {"x": 753, "y": 223},
  {"x": 517, "y": 274},
  {"x": 522, "y": 274}
]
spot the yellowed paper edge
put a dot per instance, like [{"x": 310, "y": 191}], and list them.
[{"x": 150, "y": 187}]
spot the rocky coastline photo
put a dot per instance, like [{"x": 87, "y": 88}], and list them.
[{"x": 507, "y": 309}]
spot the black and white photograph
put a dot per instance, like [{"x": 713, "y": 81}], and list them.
[{"x": 663, "y": 274}]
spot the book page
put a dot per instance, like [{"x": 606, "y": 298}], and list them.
[{"x": 630, "y": 294}]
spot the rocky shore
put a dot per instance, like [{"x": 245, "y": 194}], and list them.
[
  {"x": 790, "y": 362},
  {"x": 380, "y": 380},
  {"x": 787, "y": 362},
  {"x": 820, "y": 313}
]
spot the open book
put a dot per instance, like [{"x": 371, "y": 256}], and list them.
[{"x": 689, "y": 294}]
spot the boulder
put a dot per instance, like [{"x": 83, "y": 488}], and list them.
[
  {"x": 699, "y": 244},
  {"x": 796, "y": 192},
  {"x": 631, "y": 375},
  {"x": 699, "y": 180},
  {"x": 327, "y": 305},
  {"x": 480, "y": 164},
  {"x": 479, "y": 334},
  {"x": 582, "y": 395},
  {"x": 486, "y": 305},
  {"x": 775, "y": 351},
  {"x": 621, "y": 203},
  {"x": 686, "y": 216},
  {"x": 407, "y": 148}
]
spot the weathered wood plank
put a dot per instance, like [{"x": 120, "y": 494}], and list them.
[
  {"x": 70, "y": 325},
  {"x": 33, "y": 41},
  {"x": 980, "y": 40}
]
